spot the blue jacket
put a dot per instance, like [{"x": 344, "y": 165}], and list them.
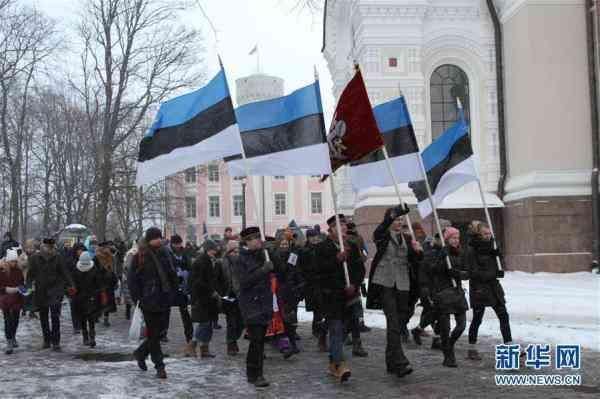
[{"x": 256, "y": 298}]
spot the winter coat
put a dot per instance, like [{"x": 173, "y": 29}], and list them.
[
  {"x": 291, "y": 282},
  {"x": 484, "y": 287},
  {"x": 106, "y": 262},
  {"x": 331, "y": 278},
  {"x": 182, "y": 268},
  {"x": 12, "y": 277},
  {"x": 382, "y": 238},
  {"x": 89, "y": 285},
  {"x": 256, "y": 298},
  {"x": 144, "y": 280},
  {"x": 48, "y": 276},
  {"x": 202, "y": 286},
  {"x": 436, "y": 281},
  {"x": 308, "y": 265},
  {"x": 229, "y": 284}
]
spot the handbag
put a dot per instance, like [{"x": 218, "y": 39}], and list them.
[{"x": 136, "y": 328}]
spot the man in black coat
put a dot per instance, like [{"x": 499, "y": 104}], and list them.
[
  {"x": 338, "y": 297},
  {"x": 205, "y": 298},
  {"x": 48, "y": 277},
  {"x": 256, "y": 300},
  {"x": 152, "y": 282},
  {"x": 392, "y": 278},
  {"x": 484, "y": 288}
]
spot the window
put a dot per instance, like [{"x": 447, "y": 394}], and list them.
[
  {"x": 280, "y": 204},
  {"x": 214, "y": 206},
  {"x": 190, "y": 175},
  {"x": 316, "y": 203},
  {"x": 190, "y": 207},
  {"x": 238, "y": 205},
  {"x": 315, "y": 176},
  {"x": 279, "y": 177},
  {"x": 448, "y": 82},
  {"x": 213, "y": 173},
  {"x": 238, "y": 178},
  {"x": 393, "y": 62}
]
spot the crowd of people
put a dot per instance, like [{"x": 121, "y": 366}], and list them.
[{"x": 258, "y": 283}]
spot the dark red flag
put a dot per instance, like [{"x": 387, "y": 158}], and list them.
[{"x": 353, "y": 133}]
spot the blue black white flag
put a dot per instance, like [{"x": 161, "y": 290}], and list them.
[
  {"x": 396, "y": 127},
  {"x": 189, "y": 130},
  {"x": 283, "y": 137},
  {"x": 449, "y": 164}
]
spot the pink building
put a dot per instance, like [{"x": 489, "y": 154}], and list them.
[{"x": 207, "y": 195}]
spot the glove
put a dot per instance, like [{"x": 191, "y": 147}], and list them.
[
  {"x": 495, "y": 252},
  {"x": 268, "y": 266},
  {"x": 11, "y": 290},
  {"x": 72, "y": 291},
  {"x": 401, "y": 210},
  {"x": 350, "y": 291},
  {"x": 500, "y": 274},
  {"x": 341, "y": 256}
]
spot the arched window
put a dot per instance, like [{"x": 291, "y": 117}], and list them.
[{"x": 448, "y": 82}]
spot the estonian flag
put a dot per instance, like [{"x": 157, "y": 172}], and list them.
[
  {"x": 189, "y": 130},
  {"x": 396, "y": 127},
  {"x": 283, "y": 136},
  {"x": 449, "y": 165}
]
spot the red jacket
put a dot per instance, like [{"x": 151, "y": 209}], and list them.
[{"x": 11, "y": 278}]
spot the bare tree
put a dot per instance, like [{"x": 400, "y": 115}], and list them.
[{"x": 135, "y": 54}]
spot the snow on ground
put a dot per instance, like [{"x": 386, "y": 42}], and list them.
[{"x": 544, "y": 308}]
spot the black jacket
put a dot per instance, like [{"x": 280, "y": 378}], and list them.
[
  {"x": 382, "y": 237},
  {"x": 484, "y": 287},
  {"x": 256, "y": 298},
  {"x": 144, "y": 280},
  {"x": 49, "y": 277},
  {"x": 202, "y": 283},
  {"x": 309, "y": 265},
  {"x": 291, "y": 282},
  {"x": 89, "y": 285}
]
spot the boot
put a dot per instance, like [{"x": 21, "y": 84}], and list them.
[
  {"x": 141, "y": 361},
  {"x": 86, "y": 338},
  {"x": 358, "y": 350},
  {"x": 343, "y": 372},
  {"x": 231, "y": 349},
  {"x": 56, "y": 347},
  {"x": 364, "y": 328},
  {"x": 404, "y": 371},
  {"x": 449, "y": 359},
  {"x": 436, "y": 343},
  {"x": 9, "y": 347},
  {"x": 323, "y": 343},
  {"x": 161, "y": 374},
  {"x": 261, "y": 382},
  {"x": 106, "y": 322},
  {"x": 332, "y": 370},
  {"x": 416, "y": 334},
  {"x": 15, "y": 343},
  {"x": 205, "y": 353},
  {"x": 92, "y": 339},
  {"x": 46, "y": 344},
  {"x": 190, "y": 349},
  {"x": 473, "y": 354}
]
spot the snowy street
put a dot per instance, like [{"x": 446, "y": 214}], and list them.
[{"x": 539, "y": 311}]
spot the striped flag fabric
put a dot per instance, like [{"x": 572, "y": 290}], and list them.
[
  {"x": 284, "y": 136},
  {"x": 449, "y": 164},
  {"x": 393, "y": 120},
  {"x": 189, "y": 130}
]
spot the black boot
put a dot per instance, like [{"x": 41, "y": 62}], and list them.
[
  {"x": 358, "y": 350},
  {"x": 261, "y": 382},
  {"x": 436, "y": 343},
  {"x": 449, "y": 359},
  {"x": 141, "y": 360},
  {"x": 106, "y": 322},
  {"x": 46, "y": 344},
  {"x": 86, "y": 338},
  {"x": 92, "y": 339}
]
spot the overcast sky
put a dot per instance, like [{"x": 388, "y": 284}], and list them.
[{"x": 289, "y": 41}]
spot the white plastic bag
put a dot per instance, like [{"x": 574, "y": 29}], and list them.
[{"x": 137, "y": 324}]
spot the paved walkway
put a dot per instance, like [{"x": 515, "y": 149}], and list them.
[{"x": 109, "y": 372}]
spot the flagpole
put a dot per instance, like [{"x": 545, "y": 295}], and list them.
[
  {"x": 247, "y": 170},
  {"x": 485, "y": 207},
  {"x": 397, "y": 188},
  {"x": 338, "y": 225}
]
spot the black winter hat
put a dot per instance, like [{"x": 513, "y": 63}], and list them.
[
  {"x": 152, "y": 234},
  {"x": 176, "y": 239},
  {"x": 210, "y": 245},
  {"x": 331, "y": 220},
  {"x": 49, "y": 241},
  {"x": 250, "y": 233}
]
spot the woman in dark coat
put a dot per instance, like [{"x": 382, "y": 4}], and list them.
[
  {"x": 447, "y": 294},
  {"x": 312, "y": 294},
  {"x": 485, "y": 289},
  {"x": 88, "y": 302},
  {"x": 11, "y": 300},
  {"x": 106, "y": 261},
  {"x": 229, "y": 288},
  {"x": 205, "y": 298}
]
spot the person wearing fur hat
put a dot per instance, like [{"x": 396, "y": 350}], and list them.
[
  {"x": 447, "y": 295},
  {"x": 392, "y": 279},
  {"x": 229, "y": 289},
  {"x": 106, "y": 262},
  {"x": 11, "y": 300},
  {"x": 152, "y": 282},
  {"x": 338, "y": 297},
  {"x": 206, "y": 301},
  {"x": 88, "y": 302},
  {"x": 48, "y": 277},
  {"x": 255, "y": 299},
  {"x": 485, "y": 289}
]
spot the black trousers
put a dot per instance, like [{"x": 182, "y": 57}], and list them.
[
  {"x": 256, "y": 350},
  {"x": 75, "y": 318},
  {"x": 88, "y": 327},
  {"x": 51, "y": 334},
  {"x": 448, "y": 338},
  {"x": 502, "y": 315},
  {"x": 235, "y": 324},
  {"x": 396, "y": 309},
  {"x": 11, "y": 323},
  {"x": 155, "y": 325}
]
